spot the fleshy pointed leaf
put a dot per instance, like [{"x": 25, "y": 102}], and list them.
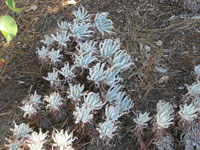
[{"x": 8, "y": 27}]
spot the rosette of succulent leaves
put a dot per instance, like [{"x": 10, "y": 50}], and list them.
[
  {"x": 141, "y": 121},
  {"x": 87, "y": 69},
  {"x": 194, "y": 89},
  {"x": 190, "y": 112},
  {"x": 164, "y": 118},
  {"x": 25, "y": 138}
]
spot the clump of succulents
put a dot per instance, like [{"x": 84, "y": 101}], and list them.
[
  {"x": 189, "y": 113},
  {"x": 189, "y": 124},
  {"x": 85, "y": 75},
  {"x": 194, "y": 89},
  {"x": 34, "y": 111},
  {"x": 25, "y": 138}
]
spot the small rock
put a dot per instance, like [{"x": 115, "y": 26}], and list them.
[
  {"x": 33, "y": 7},
  {"x": 159, "y": 43},
  {"x": 147, "y": 48},
  {"x": 161, "y": 69}
]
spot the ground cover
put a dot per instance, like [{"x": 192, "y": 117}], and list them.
[{"x": 162, "y": 39}]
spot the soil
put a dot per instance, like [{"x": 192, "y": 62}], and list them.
[{"x": 136, "y": 22}]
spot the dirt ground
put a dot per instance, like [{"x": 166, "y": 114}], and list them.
[{"x": 137, "y": 23}]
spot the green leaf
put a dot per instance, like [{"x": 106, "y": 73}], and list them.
[
  {"x": 8, "y": 27},
  {"x": 11, "y": 5}
]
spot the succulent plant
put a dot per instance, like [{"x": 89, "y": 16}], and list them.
[
  {"x": 82, "y": 114},
  {"x": 75, "y": 92},
  {"x": 86, "y": 47},
  {"x": 48, "y": 40},
  {"x": 63, "y": 25},
  {"x": 84, "y": 60},
  {"x": 35, "y": 99},
  {"x": 142, "y": 119},
  {"x": 62, "y": 38},
  {"x": 164, "y": 114},
  {"x": 21, "y": 131},
  {"x": 97, "y": 73},
  {"x": 112, "y": 93},
  {"x": 55, "y": 56},
  {"x": 124, "y": 103},
  {"x": 194, "y": 89},
  {"x": 16, "y": 145},
  {"x": 92, "y": 101},
  {"x": 165, "y": 143},
  {"x": 81, "y": 15},
  {"x": 141, "y": 123},
  {"x": 103, "y": 24},
  {"x": 29, "y": 110},
  {"x": 43, "y": 53},
  {"x": 112, "y": 77},
  {"x": 81, "y": 31},
  {"x": 191, "y": 138},
  {"x": 109, "y": 47},
  {"x": 188, "y": 112},
  {"x": 197, "y": 69},
  {"x": 107, "y": 129},
  {"x": 52, "y": 77},
  {"x": 112, "y": 113},
  {"x": 164, "y": 118},
  {"x": 63, "y": 140},
  {"x": 54, "y": 101},
  {"x": 196, "y": 104},
  {"x": 66, "y": 71},
  {"x": 121, "y": 61},
  {"x": 36, "y": 140}
]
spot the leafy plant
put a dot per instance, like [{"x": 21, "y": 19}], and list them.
[
  {"x": 107, "y": 129},
  {"x": 16, "y": 145},
  {"x": 164, "y": 114},
  {"x": 29, "y": 110},
  {"x": 164, "y": 118},
  {"x": 83, "y": 114},
  {"x": 8, "y": 26},
  {"x": 141, "y": 121},
  {"x": 63, "y": 140},
  {"x": 103, "y": 24},
  {"x": 37, "y": 140},
  {"x": 93, "y": 101},
  {"x": 21, "y": 131},
  {"x": 11, "y": 5},
  {"x": 188, "y": 112},
  {"x": 75, "y": 92},
  {"x": 81, "y": 15},
  {"x": 109, "y": 47},
  {"x": 96, "y": 73}
]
